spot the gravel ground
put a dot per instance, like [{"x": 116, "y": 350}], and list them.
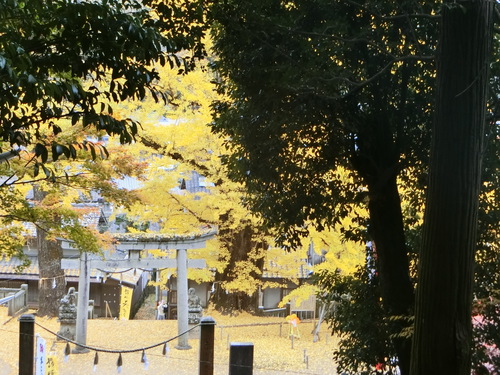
[{"x": 273, "y": 352}]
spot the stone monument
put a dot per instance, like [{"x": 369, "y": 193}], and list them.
[
  {"x": 195, "y": 312},
  {"x": 67, "y": 315}
]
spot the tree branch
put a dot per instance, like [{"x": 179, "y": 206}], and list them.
[
  {"x": 6, "y": 156},
  {"x": 18, "y": 182},
  {"x": 359, "y": 85},
  {"x": 148, "y": 142},
  {"x": 392, "y": 18},
  {"x": 201, "y": 220}
]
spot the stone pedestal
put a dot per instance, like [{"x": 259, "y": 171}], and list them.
[
  {"x": 194, "y": 317},
  {"x": 194, "y": 333},
  {"x": 67, "y": 316},
  {"x": 67, "y": 329}
]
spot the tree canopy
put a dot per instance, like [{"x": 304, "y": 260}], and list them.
[
  {"x": 72, "y": 59},
  {"x": 312, "y": 86}
]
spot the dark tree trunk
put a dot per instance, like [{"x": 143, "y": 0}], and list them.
[
  {"x": 377, "y": 162},
  {"x": 387, "y": 231},
  {"x": 443, "y": 331}
]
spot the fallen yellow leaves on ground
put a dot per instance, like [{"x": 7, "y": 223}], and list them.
[{"x": 274, "y": 351}]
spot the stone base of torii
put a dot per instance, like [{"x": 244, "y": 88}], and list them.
[{"x": 134, "y": 244}]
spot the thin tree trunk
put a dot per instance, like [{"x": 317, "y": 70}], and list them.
[
  {"x": 443, "y": 331},
  {"x": 52, "y": 283}
]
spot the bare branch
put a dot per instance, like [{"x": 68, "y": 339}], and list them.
[{"x": 149, "y": 142}]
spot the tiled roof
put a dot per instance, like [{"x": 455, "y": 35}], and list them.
[{"x": 9, "y": 267}]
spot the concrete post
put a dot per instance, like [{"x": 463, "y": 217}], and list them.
[
  {"x": 82, "y": 305},
  {"x": 26, "y": 344},
  {"x": 182, "y": 299},
  {"x": 25, "y": 288},
  {"x": 207, "y": 337}
]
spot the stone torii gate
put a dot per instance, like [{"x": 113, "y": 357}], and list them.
[{"x": 134, "y": 244}]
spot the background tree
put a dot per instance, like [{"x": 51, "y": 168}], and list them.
[
  {"x": 176, "y": 141},
  {"x": 182, "y": 155},
  {"x": 443, "y": 329},
  {"x": 314, "y": 85},
  {"x": 486, "y": 305}
]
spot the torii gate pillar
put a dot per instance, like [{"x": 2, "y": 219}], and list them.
[{"x": 83, "y": 301}]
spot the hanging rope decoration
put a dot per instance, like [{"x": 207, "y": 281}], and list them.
[
  {"x": 119, "y": 362},
  {"x": 52, "y": 279},
  {"x": 128, "y": 269},
  {"x": 166, "y": 349},
  {"x": 108, "y": 273},
  {"x": 114, "y": 271},
  {"x": 67, "y": 352},
  {"x": 96, "y": 361},
  {"x": 144, "y": 360}
]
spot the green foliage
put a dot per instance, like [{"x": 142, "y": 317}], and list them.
[
  {"x": 486, "y": 308},
  {"x": 356, "y": 316},
  {"x": 311, "y": 89}
]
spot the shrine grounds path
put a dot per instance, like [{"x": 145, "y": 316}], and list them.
[{"x": 273, "y": 354}]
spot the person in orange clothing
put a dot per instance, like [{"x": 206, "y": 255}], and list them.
[{"x": 294, "y": 321}]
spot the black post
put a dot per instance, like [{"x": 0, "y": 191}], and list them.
[
  {"x": 207, "y": 336},
  {"x": 26, "y": 344},
  {"x": 241, "y": 358}
]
